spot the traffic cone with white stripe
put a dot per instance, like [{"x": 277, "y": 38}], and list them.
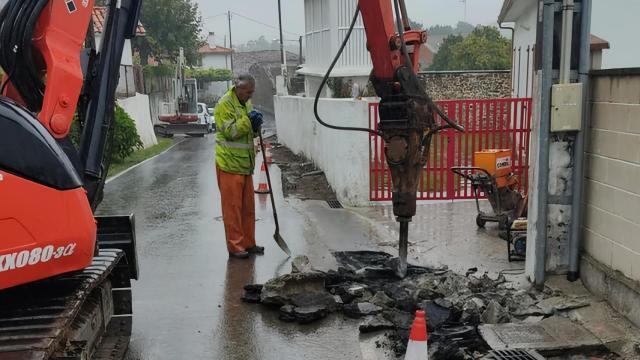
[
  {"x": 417, "y": 348},
  {"x": 262, "y": 188},
  {"x": 267, "y": 152}
]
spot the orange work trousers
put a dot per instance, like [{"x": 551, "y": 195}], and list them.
[{"x": 238, "y": 210}]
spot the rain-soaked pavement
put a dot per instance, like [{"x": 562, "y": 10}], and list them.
[{"x": 187, "y": 301}]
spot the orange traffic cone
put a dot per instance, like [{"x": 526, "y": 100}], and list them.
[
  {"x": 267, "y": 152},
  {"x": 263, "y": 188},
  {"x": 262, "y": 201},
  {"x": 417, "y": 347}
]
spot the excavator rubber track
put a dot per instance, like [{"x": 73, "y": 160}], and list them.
[{"x": 80, "y": 315}]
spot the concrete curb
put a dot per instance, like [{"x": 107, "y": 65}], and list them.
[{"x": 142, "y": 162}]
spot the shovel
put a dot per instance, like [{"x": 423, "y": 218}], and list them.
[{"x": 276, "y": 235}]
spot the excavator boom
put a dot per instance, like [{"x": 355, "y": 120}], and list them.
[{"x": 407, "y": 113}]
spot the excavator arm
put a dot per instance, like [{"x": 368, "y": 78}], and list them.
[{"x": 407, "y": 113}]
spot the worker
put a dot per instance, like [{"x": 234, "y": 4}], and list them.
[{"x": 237, "y": 126}]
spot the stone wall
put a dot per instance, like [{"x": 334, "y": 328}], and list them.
[
  {"x": 160, "y": 90},
  {"x": 451, "y": 85}
]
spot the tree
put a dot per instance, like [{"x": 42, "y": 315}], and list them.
[
  {"x": 440, "y": 30},
  {"x": 444, "y": 57},
  {"x": 483, "y": 49},
  {"x": 170, "y": 25},
  {"x": 462, "y": 28},
  {"x": 415, "y": 25}
]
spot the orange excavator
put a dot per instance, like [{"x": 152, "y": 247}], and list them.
[
  {"x": 408, "y": 116},
  {"x": 65, "y": 274}
]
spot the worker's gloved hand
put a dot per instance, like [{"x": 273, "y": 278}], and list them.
[{"x": 256, "y": 120}]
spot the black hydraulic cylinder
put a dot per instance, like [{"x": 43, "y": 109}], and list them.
[{"x": 121, "y": 24}]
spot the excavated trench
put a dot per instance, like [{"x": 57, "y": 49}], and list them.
[{"x": 365, "y": 286}]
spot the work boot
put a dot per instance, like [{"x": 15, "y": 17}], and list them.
[
  {"x": 258, "y": 250},
  {"x": 239, "y": 255}
]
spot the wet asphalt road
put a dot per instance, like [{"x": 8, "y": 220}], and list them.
[{"x": 187, "y": 302}]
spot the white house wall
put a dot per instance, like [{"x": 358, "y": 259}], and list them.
[
  {"x": 342, "y": 155},
  {"x": 127, "y": 54},
  {"x": 355, "y": 54},
  {"x": 524, "y": 39},
  {"x": 317, "y": 32},
  {"x": 138, "y": 109},
  {"x": 215, "y": 61},
  {"x": 326, "y": 25}
]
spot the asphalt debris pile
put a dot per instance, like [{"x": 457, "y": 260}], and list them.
[
  {"x": 300, "y": 176},
  {"x": 365, "y": 286}
]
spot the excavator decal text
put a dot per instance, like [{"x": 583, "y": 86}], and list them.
[{"x": 37, "y": 255}]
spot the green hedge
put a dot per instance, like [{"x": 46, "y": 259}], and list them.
[
  {"x": 125, "y": 135},
  {"x": 207, "y": 75},
  {"x": 162, "y": 70}
]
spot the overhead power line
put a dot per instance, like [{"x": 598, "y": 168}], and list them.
[
  {"x": 214, "y": 16},
  {"x": 262, "y": 23}
]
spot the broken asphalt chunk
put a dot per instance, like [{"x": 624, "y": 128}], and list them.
[
  {"x": 301, "y": 264},
  {"x": 278, "y": 291},
  {"x": 495, "y": 314},
  {"x": 375, "y": 323},
  {"x": 436, "y": 314},
  {"x": 561, "y": 303},
  {"x": 360, "y": 309}
]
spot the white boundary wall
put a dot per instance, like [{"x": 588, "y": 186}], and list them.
[
  {"x": 138, "y": 109},
  {"x": 342, "y": 155}
]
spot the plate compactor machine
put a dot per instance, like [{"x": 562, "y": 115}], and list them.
[
  {"x": 492, "y": 175},
  {"x": 65, "y": 275}
]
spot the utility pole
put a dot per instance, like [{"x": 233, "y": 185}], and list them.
[
  {"x": 283, "y": 59},
  {"x": 465, "y": 9},
  {"x": 230, "y": 42},
  {"x": 300, "y": 52}
]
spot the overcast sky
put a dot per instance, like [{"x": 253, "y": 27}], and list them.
[
  {"x": 428, "y": 12},
  {"x": 608, "y": 16}
]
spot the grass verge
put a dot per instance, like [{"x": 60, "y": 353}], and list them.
[{"x": 139, "y": 156}]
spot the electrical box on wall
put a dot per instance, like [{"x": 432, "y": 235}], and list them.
[{"x": 566, "y": 107}]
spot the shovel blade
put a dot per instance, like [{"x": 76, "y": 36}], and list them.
[{"x": 281, "y": 243}]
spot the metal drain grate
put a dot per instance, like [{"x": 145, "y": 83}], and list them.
[
  {"x": 334, "y": 204},
  {"x": 513, "y": 355}
]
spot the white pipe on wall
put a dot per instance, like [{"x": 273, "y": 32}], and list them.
[{"x": 567, "y": 38}]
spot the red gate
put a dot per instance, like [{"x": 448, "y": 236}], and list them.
[{"x": 489, "y": 124}]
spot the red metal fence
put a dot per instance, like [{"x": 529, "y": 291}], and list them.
[{"x": 489, "y": 124}]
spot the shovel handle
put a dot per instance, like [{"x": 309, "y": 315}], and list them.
[{"x": 266, "y": 170}]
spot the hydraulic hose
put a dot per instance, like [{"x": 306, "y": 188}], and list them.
[
  {"x": 400, "y": 9},
  {"x": 17, "y": 23},
  {"x": 326, "y": 78}
]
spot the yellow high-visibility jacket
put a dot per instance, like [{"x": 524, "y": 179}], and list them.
[{"x": 235, "y": 153}]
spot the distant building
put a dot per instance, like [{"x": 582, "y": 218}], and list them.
[
  {"x": 427, "y": 53},
  {"x": 264, "y": 66},
  {"x": 126, "y": 85},
  {"x": 215, "y": 56},
  {"x": 326, "y": 22},
  {"x": 242, "y": 61}
]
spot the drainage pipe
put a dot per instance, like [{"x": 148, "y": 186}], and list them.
[
  {"x": 513, "y": 30},
  {"x": 567, "y": 38},
  {"x": 575, "y": 232},
  {"x": 542, "y": 188}
]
